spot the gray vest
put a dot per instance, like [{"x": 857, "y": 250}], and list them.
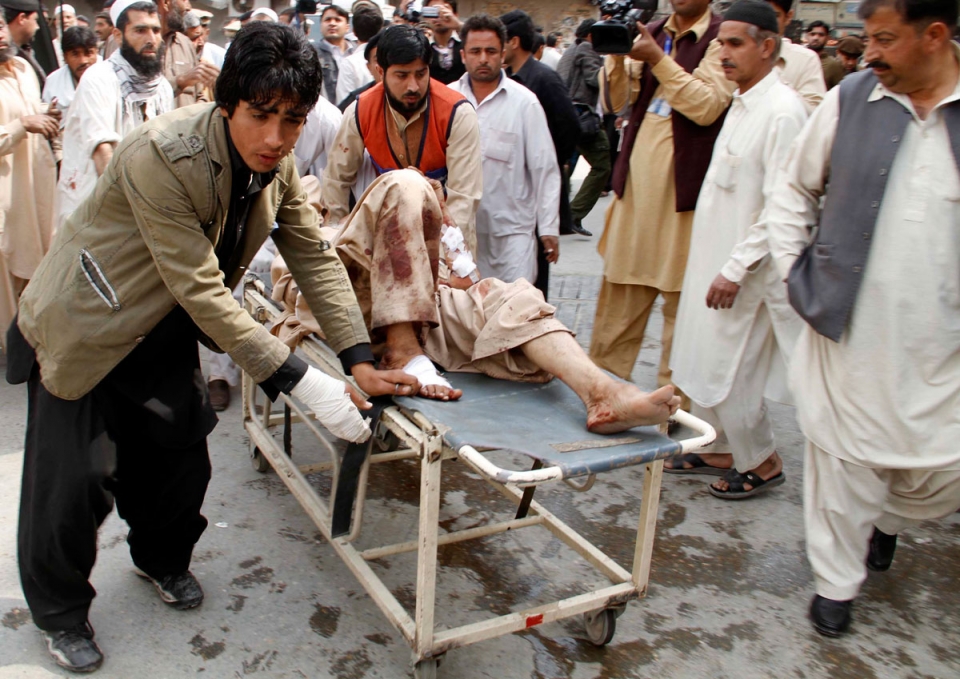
[{"x": 825, "y": 279}]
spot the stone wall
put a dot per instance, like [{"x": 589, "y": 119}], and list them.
[{"x": 553, "y": 15}]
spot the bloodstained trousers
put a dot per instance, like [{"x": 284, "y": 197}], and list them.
[{"x": 80, "y": 456}]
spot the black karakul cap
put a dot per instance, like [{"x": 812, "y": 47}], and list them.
[
  {"x": 755, "y": 12},
  {"x": 21, "y": 5}
]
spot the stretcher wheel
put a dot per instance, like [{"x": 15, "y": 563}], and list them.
[
  {"x": 600, "y": 626},
  {"x": 426, "y": 669},
  {"x": 258, "y": 461}
]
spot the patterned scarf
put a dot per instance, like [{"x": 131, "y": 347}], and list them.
[{"x": 136, "y": 89}]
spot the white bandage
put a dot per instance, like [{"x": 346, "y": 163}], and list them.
[
  {"x": 327, "y": 397},
  {"x": 462, "y": 264}
]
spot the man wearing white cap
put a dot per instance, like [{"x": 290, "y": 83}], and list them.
[
  {"x": 66, "y": 17},
  {"x": 114, "y": 97}
]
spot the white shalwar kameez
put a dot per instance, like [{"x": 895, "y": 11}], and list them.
[
  {"x": 98, "y": 115},
  {"x": 317, "y": 138},
  {"x": 60, "y": 86},
  {"x": 521, "y": 180},
  {"x": 881, "y": 408},
  {"x": 725, "y": 360}
]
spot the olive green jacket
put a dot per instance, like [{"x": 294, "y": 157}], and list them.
[{"x": 144, "y": 242}]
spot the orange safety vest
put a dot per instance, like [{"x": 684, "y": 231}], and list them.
[{"x": 371, "y": 112}]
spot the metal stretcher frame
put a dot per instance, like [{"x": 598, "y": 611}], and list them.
[{"x": 421, "y": 440}]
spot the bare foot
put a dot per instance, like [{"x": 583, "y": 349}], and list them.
[
  {"x": 625, "y": 406},
  {"x": 718, "y": 460},
  {"x": 432, "y": 384},
  {"x": 769, "y": 468}
]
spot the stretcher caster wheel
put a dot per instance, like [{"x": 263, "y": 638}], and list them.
[
  {"x": 259, "y": 462},
  {"x": 426, "y": 669},
  {"x": 600, "y": 626}
]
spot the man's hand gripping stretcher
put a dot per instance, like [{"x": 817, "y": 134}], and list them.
[{"x": 423, "y": 308}]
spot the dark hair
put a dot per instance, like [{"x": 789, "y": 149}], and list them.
[
  {"x": 819, "y": 24},
  {"x": 367, "y": 23},
  {"x": 288, "y": 12},
  {"x": 105, "y": 16},
  {"x": 920, "y": 13},
  {"x": 519, "y": 25},
  {"x": 538, "y": 42},
  {"x": 83, "y": 17},
  {"x": 245, "y": 16},
  {"x": 306, "y": 6},
  {"x": 335, "y": 8},
  {"x": 402, "y": 44},
  {"x": 371, "y": 45},
  {"x": 483, "y": 22},
  {"x": 585, "y": 28},
  {"x": 452, "y": 3},
  {"x": 785, "y": 5},
  {"x": 78, "y": 37},
  {"x": 10, "y": 15},
  {"x": 124, "y": 18},
  {"x": 266, "y": 61},
  {"x": 552, "y": 39}
]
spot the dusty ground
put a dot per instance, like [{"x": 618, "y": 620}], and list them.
[{"x": 730, "y": 583}]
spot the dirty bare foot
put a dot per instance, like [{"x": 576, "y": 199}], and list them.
[
  {"x": 768, "y": 469},
  {"x": 621, "y": 406},
  {"x": 432, "y": 383}
]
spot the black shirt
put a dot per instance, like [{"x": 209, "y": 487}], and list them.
[
  {"x": 554, "y": 97},
  {"x": 456, "y": 70}
]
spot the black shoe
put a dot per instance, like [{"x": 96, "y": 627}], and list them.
[
  {"x": 74, "y": 649},
  {"x": 882, "y": 547},
  {"x": 579, "y": 230},
  {"x": 830, "y": 618},
  {"x": 179, "y": 591}
]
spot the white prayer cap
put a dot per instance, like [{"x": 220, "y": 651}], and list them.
[
  {"x": 264, "y": 12},
  {"x": 66, "y": 8},
  {"x": 116, "y": 9}
]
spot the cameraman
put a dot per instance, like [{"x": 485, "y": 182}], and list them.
[{"x": 580, "y": 68}]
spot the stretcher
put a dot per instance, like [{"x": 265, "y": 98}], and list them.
[{"x": 493, "y": 416}]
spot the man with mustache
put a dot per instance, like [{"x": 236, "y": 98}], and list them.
[
  {"x": 876, "y": 370},
  {"x": 107, "y": 332},
  {"x": 187, "y": 74},
  {"x": 28, "y": 175},
  {"x": 79, "y": 53},
  {"x": 21, "y": 18},
  {"x": 521, "y": 178},
  {"x": 114, "y": 97},
  {"x": 735, "y": 327}
]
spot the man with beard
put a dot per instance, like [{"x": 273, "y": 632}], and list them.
[
  {"x": 79, "y": 53},
  {"x": 521, "y": 178},
  {"x": 28, "y": 176},
  {"x": 114, "y": 97},
  {"x": 117, "y": 410},
  {"x": 817, "y": 35},
  {"x": 188, "y": 76},
  {"x": 399, "y": 122}
]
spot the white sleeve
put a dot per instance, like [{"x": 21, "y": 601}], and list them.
[
  {"x": 795, "y": 203},
  {"x": 541, "y": 164}
]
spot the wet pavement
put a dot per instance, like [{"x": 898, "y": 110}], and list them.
[{"x": 729, "y": 582}]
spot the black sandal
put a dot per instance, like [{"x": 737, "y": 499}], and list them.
[
  {"x": 697, "y": 466},
  {"x": 736, "y": 481}
]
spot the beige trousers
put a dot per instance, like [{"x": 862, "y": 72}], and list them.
[
  {"x": 620, "y": 324},
  {"x": 390, "y": 246},
  {"x": 843, "y": 502},
  {"x": 742, "y": 415}
]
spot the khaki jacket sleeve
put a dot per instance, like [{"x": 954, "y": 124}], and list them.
[
  {"x": 317, "y": 269},
  {"x": 184, "y": 257},
  {"x": 343, "y": 164},
  {"x": 702, "y": 95}
]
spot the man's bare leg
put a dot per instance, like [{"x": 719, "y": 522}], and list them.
[
  {"x": 402, "y": 347},
  {"x": 612, "y": 406}
]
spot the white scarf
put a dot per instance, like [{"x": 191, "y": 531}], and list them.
[{"x": 136, "y": 89}]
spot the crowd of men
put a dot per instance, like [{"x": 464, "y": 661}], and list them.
[{"x": 794, "y": 210}]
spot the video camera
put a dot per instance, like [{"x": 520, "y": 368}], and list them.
[
  {"x": 416, "y": 11},
  {"x": 616, "y": 34}
]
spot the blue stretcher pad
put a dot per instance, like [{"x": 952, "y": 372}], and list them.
[{"x": 546, "y": 422}]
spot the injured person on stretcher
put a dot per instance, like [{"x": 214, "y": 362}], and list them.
[{"x": 419, "y": 312}]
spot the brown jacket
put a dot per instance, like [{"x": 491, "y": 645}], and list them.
[
  {"x": 143, "y": 242},
  {"x": 181, "y": 57}
]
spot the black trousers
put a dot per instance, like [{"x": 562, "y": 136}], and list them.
[
  {"x": 613, "y": 136},
  {"x": 138, "y": 439}
]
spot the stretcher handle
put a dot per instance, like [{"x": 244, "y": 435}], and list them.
[{"x": 707, "y": 434}]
